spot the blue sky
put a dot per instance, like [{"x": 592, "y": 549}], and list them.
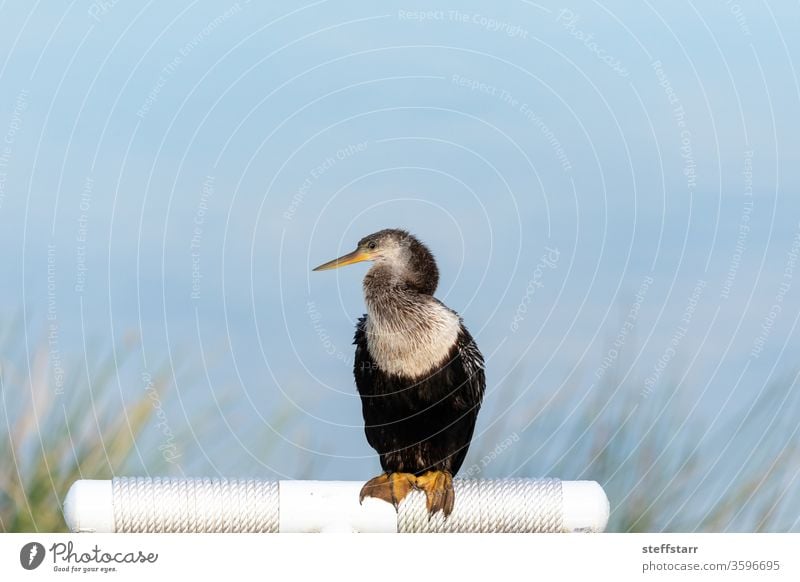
[{"x": 639, "y": 142}]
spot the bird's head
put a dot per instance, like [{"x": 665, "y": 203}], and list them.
[{"x": 396, "y": 253}]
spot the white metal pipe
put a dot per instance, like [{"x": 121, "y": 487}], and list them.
[{"x": 137, "y": 504}]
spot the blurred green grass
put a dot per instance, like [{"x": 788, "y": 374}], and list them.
[
  {"x": 668, "y": 462},
  {"x": 52, "y": 435}
]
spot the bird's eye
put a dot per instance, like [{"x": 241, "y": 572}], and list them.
[{"x": 371, "y": 245}]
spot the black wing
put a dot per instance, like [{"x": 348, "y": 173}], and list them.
[
  {"x": 416, "y": 425},
  {"x": 370, "y": 383},
  {"x": 468, "y": 386}
]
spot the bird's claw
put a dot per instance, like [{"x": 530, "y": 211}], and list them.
[
  {"x": 439, "y": 492},
  {"x": 391, "y": 487}
]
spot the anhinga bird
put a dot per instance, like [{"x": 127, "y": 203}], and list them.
[{"x": 418, "y": 372}]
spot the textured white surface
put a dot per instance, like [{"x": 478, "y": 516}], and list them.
[
  {"x": 160, "y": 505},
  {"x": 490, "y": 506},
  {"x": 139, "y": 504}
]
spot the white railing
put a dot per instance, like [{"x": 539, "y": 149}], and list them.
[{"x": 139, "y": 504}]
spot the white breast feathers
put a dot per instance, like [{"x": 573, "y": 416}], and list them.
[{"x": 410, "y": 338}]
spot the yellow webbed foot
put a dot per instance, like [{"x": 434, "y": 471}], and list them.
[
  {"x": 391, "y": 487},
  {"x": 438, "y": 488}
]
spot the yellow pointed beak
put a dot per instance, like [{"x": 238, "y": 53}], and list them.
[{"x": 356, "y": 256}]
